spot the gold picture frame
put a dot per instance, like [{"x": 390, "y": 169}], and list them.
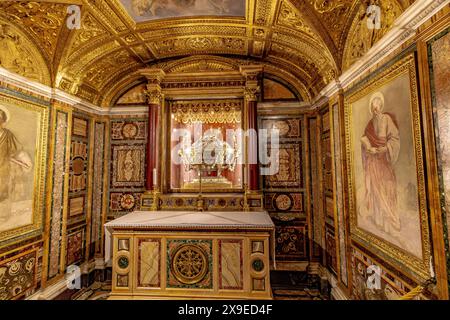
[
  {"x": 35, "y": 228},
  {"x": 413, "y": 265}
]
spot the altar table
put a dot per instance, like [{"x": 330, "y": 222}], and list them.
[{"x": 190, "y": 255}]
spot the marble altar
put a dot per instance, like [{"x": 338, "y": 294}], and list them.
[{"x": 195, "y": 255}]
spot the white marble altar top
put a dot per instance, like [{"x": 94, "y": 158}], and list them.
[
  {"x": 178, "y": 220},
  {"x": 189, "y": 219}
]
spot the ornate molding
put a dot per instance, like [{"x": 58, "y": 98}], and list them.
[
  {"x": 251, "y": 94},
  {"x": 154, "y": 96},
  {"x": 20, "y": 55},
  {"x": 153, "y": 75},
  {"x": 251, "y": 71},
  {"x": 312, "y": 29},
  {"x": 198, "y": 44},
  {"x": 290, "y": 17},
  {"x": 42, "y": 20},
  {"x": 190, "y": 264},
  {"x": 360, "y": 38},
  {"x": 404, "y": 29},
  {"x": 283, "y": 35},
  {"x": 211, "y": 111},
  {"x": 251, "y": 74},
  {"x": 154, "y": 91},
  {"x": 203, "y": 84}
]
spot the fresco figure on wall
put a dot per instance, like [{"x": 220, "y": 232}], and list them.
[
  {"x": 14, "y": 163},
  {"x": 380, "y": 151}
]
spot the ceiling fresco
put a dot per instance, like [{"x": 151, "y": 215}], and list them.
[
  {"x": 145, "y": 10},
  {"x": 307, "y": 43}
]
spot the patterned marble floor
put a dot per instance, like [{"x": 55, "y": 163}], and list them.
[
  {"x": 288, "y": 285},
  {"x": 285, "y": 286}
]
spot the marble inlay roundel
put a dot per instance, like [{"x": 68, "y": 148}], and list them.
[
  {"x": 127, "y": 201},
  {"x": 258, "y": 265},
  {"x": 190, "y": 264},
  {"x": 78, "y": 166},
  {"x": 130, "y": 130},
  {"x": 283, "y": 202},
  {"x": 123, "y": 262}
]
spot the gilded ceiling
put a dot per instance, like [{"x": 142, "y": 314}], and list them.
[
  {"x": 305, "y": 42},
  {"x": 145, "y": 10}
]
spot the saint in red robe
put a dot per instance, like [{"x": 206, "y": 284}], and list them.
[{"x": 380, "y": 150}]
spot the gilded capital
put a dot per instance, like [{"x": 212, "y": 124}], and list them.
[
  {"x": 252, "y": 75},
  {"x": 251, "y": 93},
  {"x": 154, "y": 78},
  {"x": 154, "y": 94}
]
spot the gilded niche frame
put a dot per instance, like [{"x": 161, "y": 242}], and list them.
[
  {"x": 210, "y": 103},
  {"x": 16, "y": 235},
  {"x": 399, "y": 258}
]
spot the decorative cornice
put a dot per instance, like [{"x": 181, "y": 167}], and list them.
[
  {"x": 131, "y": 111},
  {"x": 48, "y": 92},
  {"x": 25, "y": 83},
  {"x": 77, "y": 102},
  {"x": 251, "y": 70},
  {"x": 286, "y": 107},
  {"x": 154, "y": 75}
]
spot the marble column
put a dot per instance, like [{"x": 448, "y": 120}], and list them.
[
  {"x": 251, "y": 91},
  {"x": 152, "y": 147},
  {"x": 252, "y": 146},
  {"x": 155, "y": 99}
]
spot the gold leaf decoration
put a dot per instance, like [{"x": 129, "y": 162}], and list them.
[
  {"x": 361, "y": 38},
  {"x": 19, "y": 55},
  {"x": 42, "y": 19},
  {"x": 290, "y": 17}
]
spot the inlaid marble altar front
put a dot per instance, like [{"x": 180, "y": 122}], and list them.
[{"x": 168, "y": 254}]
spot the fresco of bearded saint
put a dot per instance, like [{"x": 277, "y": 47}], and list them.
[{"x": 380, "y": 151}]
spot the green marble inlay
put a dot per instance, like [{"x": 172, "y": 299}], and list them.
[
  {"x": 258, "y": 265},
  {"x": 123, "y": 262}
]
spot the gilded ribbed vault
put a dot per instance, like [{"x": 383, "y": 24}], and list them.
[{"x": 305, "y": 42}]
